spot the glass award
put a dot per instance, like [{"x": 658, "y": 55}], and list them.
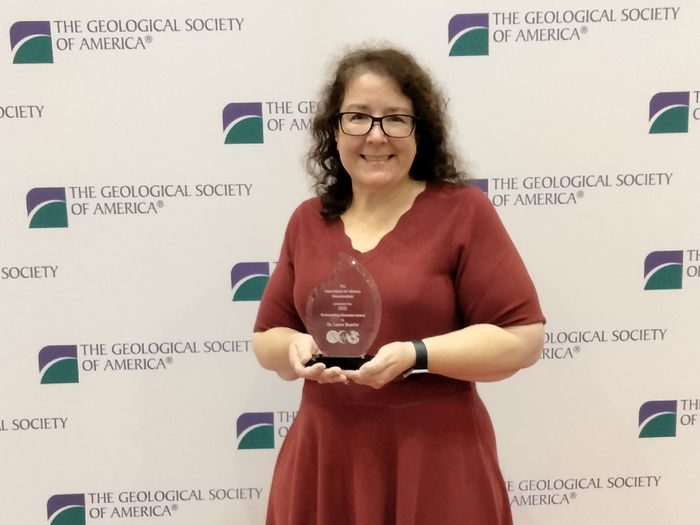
[{"x": 343, "y": 315}]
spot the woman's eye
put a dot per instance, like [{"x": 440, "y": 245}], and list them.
[
  {"x": 358, "y": 117},
  {"x": 399, "y": 119}
]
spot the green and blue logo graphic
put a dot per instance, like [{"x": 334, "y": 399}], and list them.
[
  {"x": 256, "y": 430},
  {"x": 31, "y": 43},
  {"x": 248, "y": 280},
  {"x": 668, "y": 112},
  {"x": 663, "y": 270},
  {"x": 243, "y": 123},
  {"x": 658, "y": 419},
  {"x": 47, "y": 208},
  {"x": 58, "y": 364},
  {"x": 66, "y": 509},
  {"x": 468, "y": 35}
]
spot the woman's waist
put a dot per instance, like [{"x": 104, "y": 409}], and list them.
[{"x": 415, "y": 389}]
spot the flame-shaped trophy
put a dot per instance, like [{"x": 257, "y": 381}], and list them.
[{"x": 343, "y": 315}]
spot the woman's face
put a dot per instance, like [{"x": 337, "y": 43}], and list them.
[{"x": 375, "y": 161}]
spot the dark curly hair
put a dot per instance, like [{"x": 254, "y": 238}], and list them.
[{"x": 434, "y": 159}]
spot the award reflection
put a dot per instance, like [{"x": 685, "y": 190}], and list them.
[{"x": 343, "y": 315}]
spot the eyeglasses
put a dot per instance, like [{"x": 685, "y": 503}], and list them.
[{"x": 395, "y": 126}]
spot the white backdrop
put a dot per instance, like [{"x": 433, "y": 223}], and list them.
[{"x": 127, "y": 295}]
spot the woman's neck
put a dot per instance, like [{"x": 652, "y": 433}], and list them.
[{"x": 382, "y": 207}]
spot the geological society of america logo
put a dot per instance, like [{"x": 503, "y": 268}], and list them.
[
  {"x": 248, "y": 280},
  {"x": 658, "y": 419},
  {"x": 669, "y": 111},
  {"x": 663, "y": 270},
  {"x": 468, "y": 34},
  {"x": 66, "y": 509},
  {"x": 47, "y": 208},
  {"x": 243, "y": 123},
  {"x": 256, "y": 430},
  {"x": 58, "y": 364},
  {"x": 30, "y": 43}
]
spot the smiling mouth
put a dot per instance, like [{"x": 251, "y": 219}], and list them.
[{"x": 376, "y": 158}]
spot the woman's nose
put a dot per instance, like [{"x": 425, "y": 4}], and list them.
[{"x": 376, "y": 132}]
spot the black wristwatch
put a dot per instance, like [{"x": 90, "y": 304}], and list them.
[{"x": 421, "y": 365}]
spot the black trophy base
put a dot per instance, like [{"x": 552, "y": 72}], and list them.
[{"x": 345, "y": 363}]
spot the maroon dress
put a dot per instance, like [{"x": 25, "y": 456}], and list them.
[{"x": 420, "y": 450}]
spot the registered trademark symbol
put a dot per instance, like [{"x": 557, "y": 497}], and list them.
[
  {"x": 160, "y": 203},
  {"x": 577, "y": 349},
  {"x": 169, "y": 360},
  {"x": 174, "y": 506},
  {"x": 149, "y": 39},
  {"x": 584, "y": 30},
  {"x": 580, "y": 194}
]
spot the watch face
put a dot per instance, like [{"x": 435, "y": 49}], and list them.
[{"x": 416, "y": 370}]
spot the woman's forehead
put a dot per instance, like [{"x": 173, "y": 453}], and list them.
[{"x": 368, "y": 89}]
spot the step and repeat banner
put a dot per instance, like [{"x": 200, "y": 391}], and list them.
[{"x": 152, "y": 153}]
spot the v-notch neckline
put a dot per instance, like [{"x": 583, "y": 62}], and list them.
[{"x": 384, "y": 239}]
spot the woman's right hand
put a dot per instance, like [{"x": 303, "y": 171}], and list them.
[{"x": 301, "y": 349}]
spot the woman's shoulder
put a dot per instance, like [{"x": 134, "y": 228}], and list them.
[
  {"x": 307, "y": 213},
  {"x": 307, "y": 208}
]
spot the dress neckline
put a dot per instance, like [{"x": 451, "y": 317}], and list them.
[{"x": 346, "y": 241}]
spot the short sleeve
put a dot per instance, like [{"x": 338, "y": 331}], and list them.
[
  {"x": 492, "y": 283},
  {"x": 277, "y": 303}
]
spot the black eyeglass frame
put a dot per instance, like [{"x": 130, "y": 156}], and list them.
[{"x": 377, "y": 119}]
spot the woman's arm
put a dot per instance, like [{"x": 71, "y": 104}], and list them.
[
  {"x": 485, "y": 352},
  {"x": 272, "y": 350},
  {"x": 481, "y": 352}
]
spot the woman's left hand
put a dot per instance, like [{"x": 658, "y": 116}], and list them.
[{"x": 391, "y": 360}]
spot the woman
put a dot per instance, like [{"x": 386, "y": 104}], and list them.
[{"x": 369, "y": 446}]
